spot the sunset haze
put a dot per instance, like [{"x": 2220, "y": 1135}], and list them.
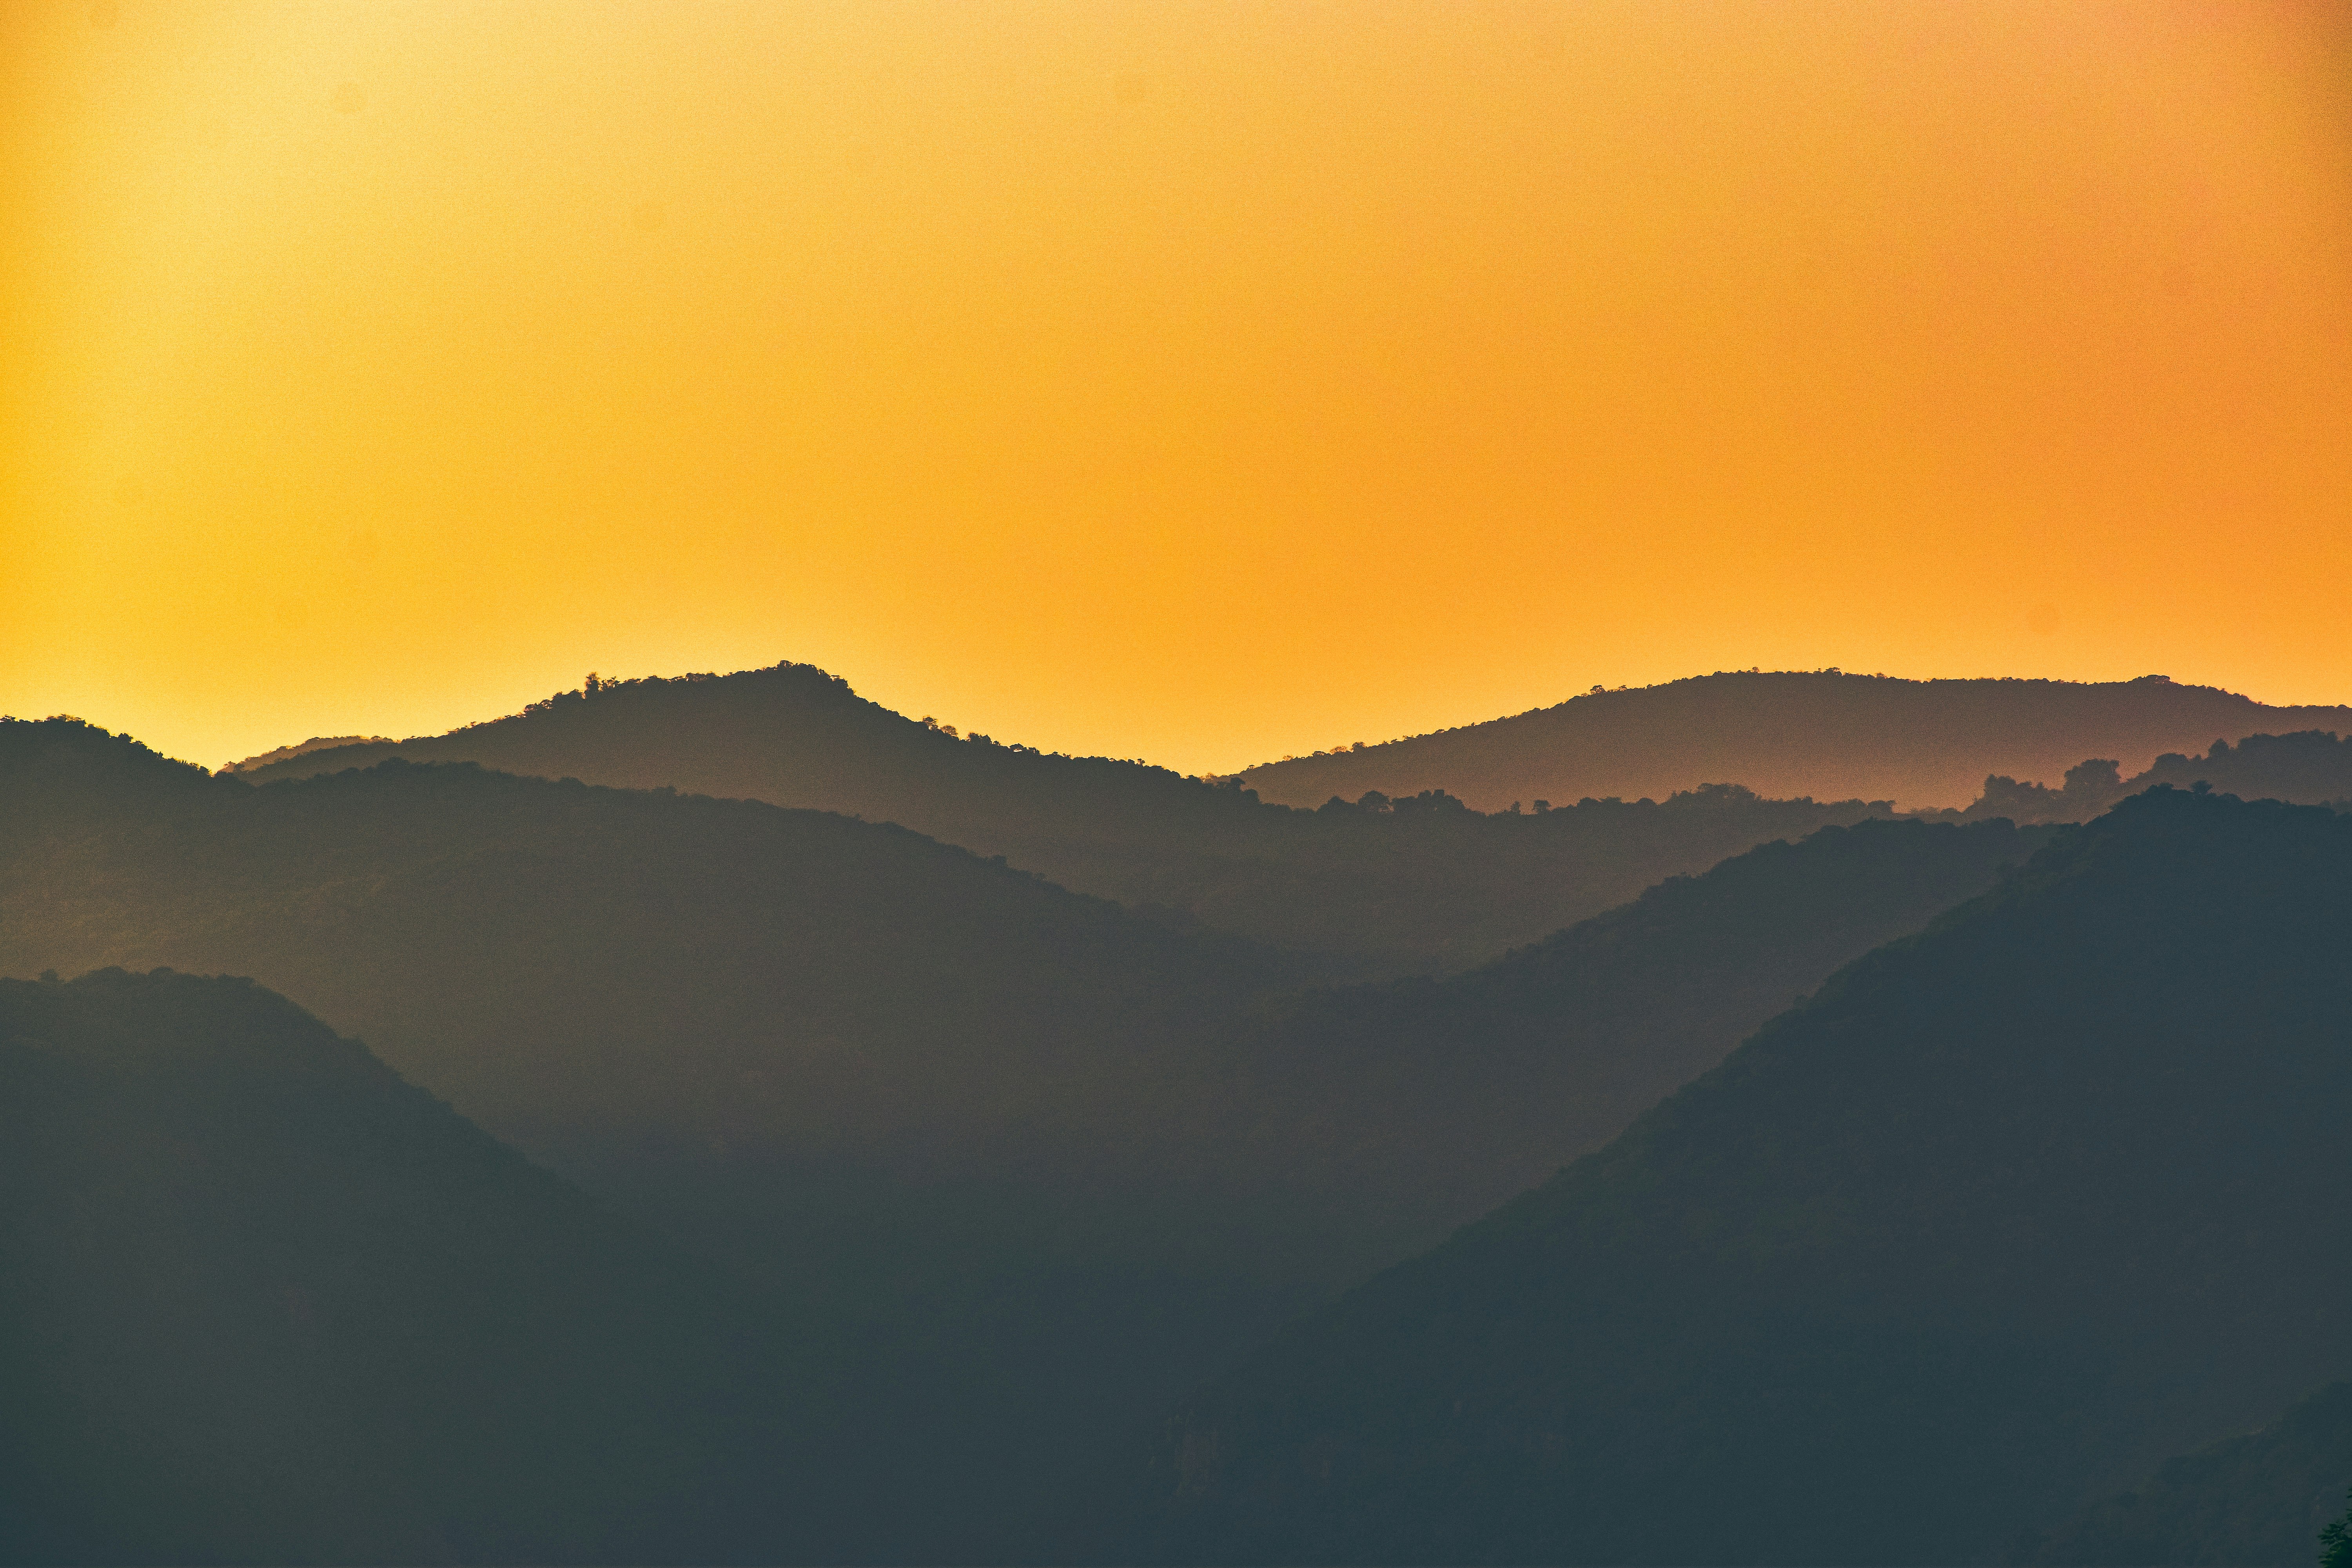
[{"x": 1199, "y": 382}]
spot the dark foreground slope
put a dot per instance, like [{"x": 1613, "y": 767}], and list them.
[
  {"x": 1431, "y": 1101},
  {"x": 261, "y": 1300},
  {"x": 1414, "y": 885},
  {"x": 2005, "y": 1214},
  {"x": 2255, "y": 1501},
  {"x": 1918, "y": 743}
]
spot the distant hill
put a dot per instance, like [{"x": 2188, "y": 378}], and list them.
[
  {"x": 1920, "y": 744},
  {"x": 263, "y": 1302},
  {"x": 2255, "y": 1501},
  {"x": 1416, "y": 884},
  {"x": 2312, "y": 768},
  {"x": 2004, "y": 1215}
]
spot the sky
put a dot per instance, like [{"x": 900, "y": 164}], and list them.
[{"x": 1201, "y": 382}]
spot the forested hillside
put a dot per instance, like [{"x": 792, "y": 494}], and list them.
[
  {"x": 2000, "y": 1217},
  {"x": 1418, "y": 883},
  {"x": 262, "y": 1301},
  {"x": 1921, "y": 743}
]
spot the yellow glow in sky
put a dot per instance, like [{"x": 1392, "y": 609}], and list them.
[{"x": 1197, "y": 381}]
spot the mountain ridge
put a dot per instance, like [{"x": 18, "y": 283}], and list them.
[
  {"x": 1367, "y": 885},
  {"x": 1920, "y": 744}
]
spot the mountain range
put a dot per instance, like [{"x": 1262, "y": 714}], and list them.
[
  {"x": 938, "y": 1187},
  {"x": 1066, "y": 1159},
  {"x": 1367, "y": 885}
]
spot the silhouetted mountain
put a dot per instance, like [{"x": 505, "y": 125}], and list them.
[
  {"x": 1428, "y": 1102},
  {"x": 1922, "y": 744},
  {"x": 2256, "y": 1501},
  {"x": 2004, "y": 1215},
  {"x": 261, "y": 1300},
  {"x": 1416, "y": 883}
]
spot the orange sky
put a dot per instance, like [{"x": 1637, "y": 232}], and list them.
[{"x": 1197, "y": 381}]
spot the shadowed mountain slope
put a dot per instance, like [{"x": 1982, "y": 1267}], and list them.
[
  {"x": 2004, "y": 1215},
  {"x": 261, "y": 1300},
  {"x": 1921, "y": 743},
  {"x": 1416, "y": 884},
  {"x": 1438, "y": 1099},
  {"x": 2256, "y": 1501}
]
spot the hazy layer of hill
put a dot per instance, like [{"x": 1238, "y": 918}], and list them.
[
  {"x": 1433, "y": 1101},
  {"x": 262, "y": 1301},
  {"x": 2004, "y": 1215},
  {"x": 2255, "y": 1501},
  {"x": 812, "y": 983},
  {"x": 1417, "y": 883},
  {"x": 642, "y": 979},
  {"x": 2311, "y": 768},
  {"x": 1920, "y": 744}
]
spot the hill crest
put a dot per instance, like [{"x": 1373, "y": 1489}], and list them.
[{"x": 1823, "y": 733}]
